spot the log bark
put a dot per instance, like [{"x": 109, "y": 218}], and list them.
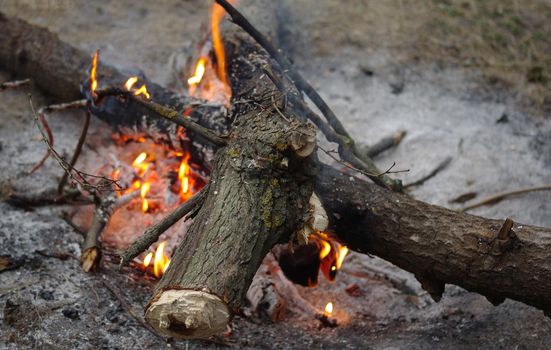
[
  {"x": 258, "y": 196},
  {"x": 438, "y": 245}
]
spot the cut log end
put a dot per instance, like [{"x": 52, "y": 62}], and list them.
[{"x": 187, "y": 313}]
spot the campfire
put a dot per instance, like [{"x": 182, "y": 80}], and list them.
[{"x": 236, "y": 206}]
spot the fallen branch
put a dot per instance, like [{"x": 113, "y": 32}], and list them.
[
  {"x": 441, "y": 166},
  {"x": 105, "y": 206},
  {"x": 384, "y": 144},
  {"x": 166, "y": 113},
  {"x": 438, "y": 245},
  {"x": 77, "y": 151},
  {"x": 152, "y": 234},
  {"x": 14, "y": 84},
  {"x": 502, "y": 195}
]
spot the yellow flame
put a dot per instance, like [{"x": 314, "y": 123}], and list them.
[
  {"x": 183, "y": 176},
  {"x": 139, "y": 159},
  {"x": 325, "y": 250},
  {"x": 161, "y": 260},
  {"x": 329, "y": 309},
  {"x": 130, "y": 83},
  {"x": 341, "y": 255},
  {"x": 199, "y": 71},
  {"x": 93, "y": 72},
  {"x": 142, "y": 91},
  {"x": 147, "y": 259},
  {"x": 217, "y": 13},
  {"x": 143, "y": 192}
]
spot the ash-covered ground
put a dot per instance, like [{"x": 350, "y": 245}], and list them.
[{"x": 447, "y": 110}]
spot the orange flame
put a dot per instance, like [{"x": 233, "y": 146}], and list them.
[
  {"x": 199, "y": 71},
  {"x": 139, "y": 159},
  {"x": 325, "y": 250},
  {"x": 217, "y": 13},
  {"x": 161, "y": 262},
  {"x": 93, "y": 73},
  {"x": 331, "y": 254}
]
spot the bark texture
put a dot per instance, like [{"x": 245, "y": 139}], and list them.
[
  {"x": 439, "y": 245},
  {"x": 258, "y": 196}
]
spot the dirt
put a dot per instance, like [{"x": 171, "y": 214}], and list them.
[{"x": 447, "y": 110}]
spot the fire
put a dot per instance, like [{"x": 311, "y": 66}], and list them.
[
  {"x": 161, "y": 262},
  {"x": 93, "y": 73},
  {"x": 184, "y": 177},
  {"x": 143, "y": 192},
  {"x": 328, "y": 309},
  {"x": 217, "y": 13},
  {"x": 199, "y": 71},
  {"x": 147, "y": 259},
  {"x": 141, "y": 91},
  {"x": 331, "y": 254},
  {"x": 139, "y": 159}
]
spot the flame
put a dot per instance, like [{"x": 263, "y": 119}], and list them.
[
  {"x": 199, "y": 71},
  {"x": 328, "y": 309},
  {"x": 325, "y": 250},
  {"x": 130, "y": 83},
  {"x": 93, "y": 73},
  {"x": 143, "y": 192},
  {"x": 217, "y": 13},
  {"x": 141, "y": 91},
  {"x": 139, "y": 159},
  {"x": 161, "y": 262},
  {"x": 184, "y": 177},
  {"x": 331, "y": 254},
  {"x": 342, "y": 251},
  {"x": 147, "y": 259}
]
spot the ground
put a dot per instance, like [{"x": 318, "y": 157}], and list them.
[{"x": 382, "y": 68}]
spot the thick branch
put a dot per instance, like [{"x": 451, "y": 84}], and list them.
[{"x": 439, "y": 245}]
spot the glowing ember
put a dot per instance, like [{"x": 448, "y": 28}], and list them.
[
  {"x": 199, "y": 71},
  {"x": 93, "y": 73},
  {"x": 161, "y": 262},
  {"x": 328, "y": 309}
]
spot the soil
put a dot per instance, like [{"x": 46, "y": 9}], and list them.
[{"x": 447, "y": 109}]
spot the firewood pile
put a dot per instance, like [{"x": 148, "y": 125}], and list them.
[{"x": 242, "y": 193}]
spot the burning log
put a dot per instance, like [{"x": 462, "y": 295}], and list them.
[{"x": 262, "y": 180}]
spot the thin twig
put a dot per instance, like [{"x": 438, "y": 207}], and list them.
[
  {"x": 166, "y": 113},
  {"x": 105, "y": 207},
  {"x": 502, "y": 195},
  {"x": 347, "y": 148},
  {"x": 77, "y": 151},
  {"x": 441, "y": 166},
  {"x": 79, "y": 177},
  {"x": 370, "y": 175},
  {"x": 14, "y": 84},
  {"x": 152, "y": 234},
  {"x": 384, "y": 144},
  {"x": 42, "y": 112},
  {"x": 26, "y": 200}
]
